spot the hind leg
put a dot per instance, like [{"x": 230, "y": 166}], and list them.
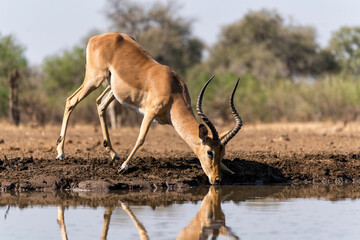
[
  {"x": 89, "y": 85},
  {"x": 102, "y": 103},
  {"x": 112, "y": 115}
]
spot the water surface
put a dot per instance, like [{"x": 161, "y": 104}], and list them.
[{"x": 237, "y": 212}]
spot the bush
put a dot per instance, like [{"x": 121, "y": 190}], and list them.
[{"x": 328, "y": 98}]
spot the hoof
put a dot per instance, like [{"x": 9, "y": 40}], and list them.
[
  {"x": 124, "y": 205},
  {"x": 123, "y": 169},
  {"x": 115, "y": 157},
  {"x": 61, "y": 156}
]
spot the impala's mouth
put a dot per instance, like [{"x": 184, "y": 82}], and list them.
[{"x": 217, "y": 181}]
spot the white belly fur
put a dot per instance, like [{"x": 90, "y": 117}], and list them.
[
  {"x": 134, "y": 108},
  {"x": 129, "y": 106},
  {"x": 125, "y": 104}
]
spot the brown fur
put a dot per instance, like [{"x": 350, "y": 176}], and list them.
[{"x": 139, "y": 82}]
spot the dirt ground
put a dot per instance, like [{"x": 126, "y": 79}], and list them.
[{"x": 259, "y": 154}]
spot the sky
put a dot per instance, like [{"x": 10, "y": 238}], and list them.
[{"x": 47, "y": 27}]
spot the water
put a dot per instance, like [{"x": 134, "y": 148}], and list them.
[{"x": 238, "y": 212}]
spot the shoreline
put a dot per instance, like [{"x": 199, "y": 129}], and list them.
[{"x": 295, "y": 153}]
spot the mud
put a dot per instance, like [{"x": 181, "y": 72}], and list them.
[
  {"x": 236, "y": 194},
  {"x": 259, "y": 154}
]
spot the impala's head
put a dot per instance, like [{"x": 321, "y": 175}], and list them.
[{"x": 212, "y": 148}]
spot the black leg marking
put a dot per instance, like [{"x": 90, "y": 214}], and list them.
[
  {"x": 105, "y": 144},
  {"x": 59, "y": 140}
]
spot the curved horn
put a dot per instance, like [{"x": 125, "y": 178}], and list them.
[
  {"x": 202, "y": 115},
  {"x": 238, "y": 120}
]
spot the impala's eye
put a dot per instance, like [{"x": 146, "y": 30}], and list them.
[{"x": 210, "y": 154}]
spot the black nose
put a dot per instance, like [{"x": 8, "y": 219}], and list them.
[{"x": 217, "y": 181}]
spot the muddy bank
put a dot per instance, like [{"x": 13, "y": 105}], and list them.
[
  {"x": 102, "y": 174},
  {"x": 259, "y": 154},
  {"x": 236, "y": 194}
]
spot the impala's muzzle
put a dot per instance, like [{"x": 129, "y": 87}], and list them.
[{"x": 217, "y": 181}]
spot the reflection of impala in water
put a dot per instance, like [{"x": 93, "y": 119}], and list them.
[
  {"x": 209, "y": 220},
  {"x": 61, "y": 221}
]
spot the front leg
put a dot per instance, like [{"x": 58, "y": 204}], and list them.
[
  {"x": 142, "y": 231},
  {"x": 61, "y": 222},
  {"x": 145, "y": 125},
  {"x": 107, "y": 218},
  {"x": 102, "y": 104}
]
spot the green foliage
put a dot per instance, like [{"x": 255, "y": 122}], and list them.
[
  {"x": 261, "y": 44},
  {"x": 345, "y": 45},
  {"x": 284, "y": 74},
  {"x": 327, "y": 98},
  {"x": 159, "y": 29},
  {"x": 64, "y": 73},
  {"x": 11, "y": 57},
  {"x": 325, "y": 63},
  {"x": 4, "y": 99}
]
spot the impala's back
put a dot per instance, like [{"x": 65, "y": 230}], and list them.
[{"x": 136, "y": 79}]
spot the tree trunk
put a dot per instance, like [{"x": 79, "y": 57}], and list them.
[{"x": 14, "y": 99}]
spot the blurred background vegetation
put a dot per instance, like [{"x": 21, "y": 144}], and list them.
[{"x": 284, "y": 74}]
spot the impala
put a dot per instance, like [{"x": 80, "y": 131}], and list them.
[
  {"x": 209, "y": 220},
  {"x": 61, "y": 222},
  {"x": 140, "y": 83}
]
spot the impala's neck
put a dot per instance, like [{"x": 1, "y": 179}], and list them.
[{"x": 185, "y": 123}]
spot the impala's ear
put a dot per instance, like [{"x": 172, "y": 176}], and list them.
[
  {"x": 203, "y": 132},
  {"x": 223, "y": 134}
]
